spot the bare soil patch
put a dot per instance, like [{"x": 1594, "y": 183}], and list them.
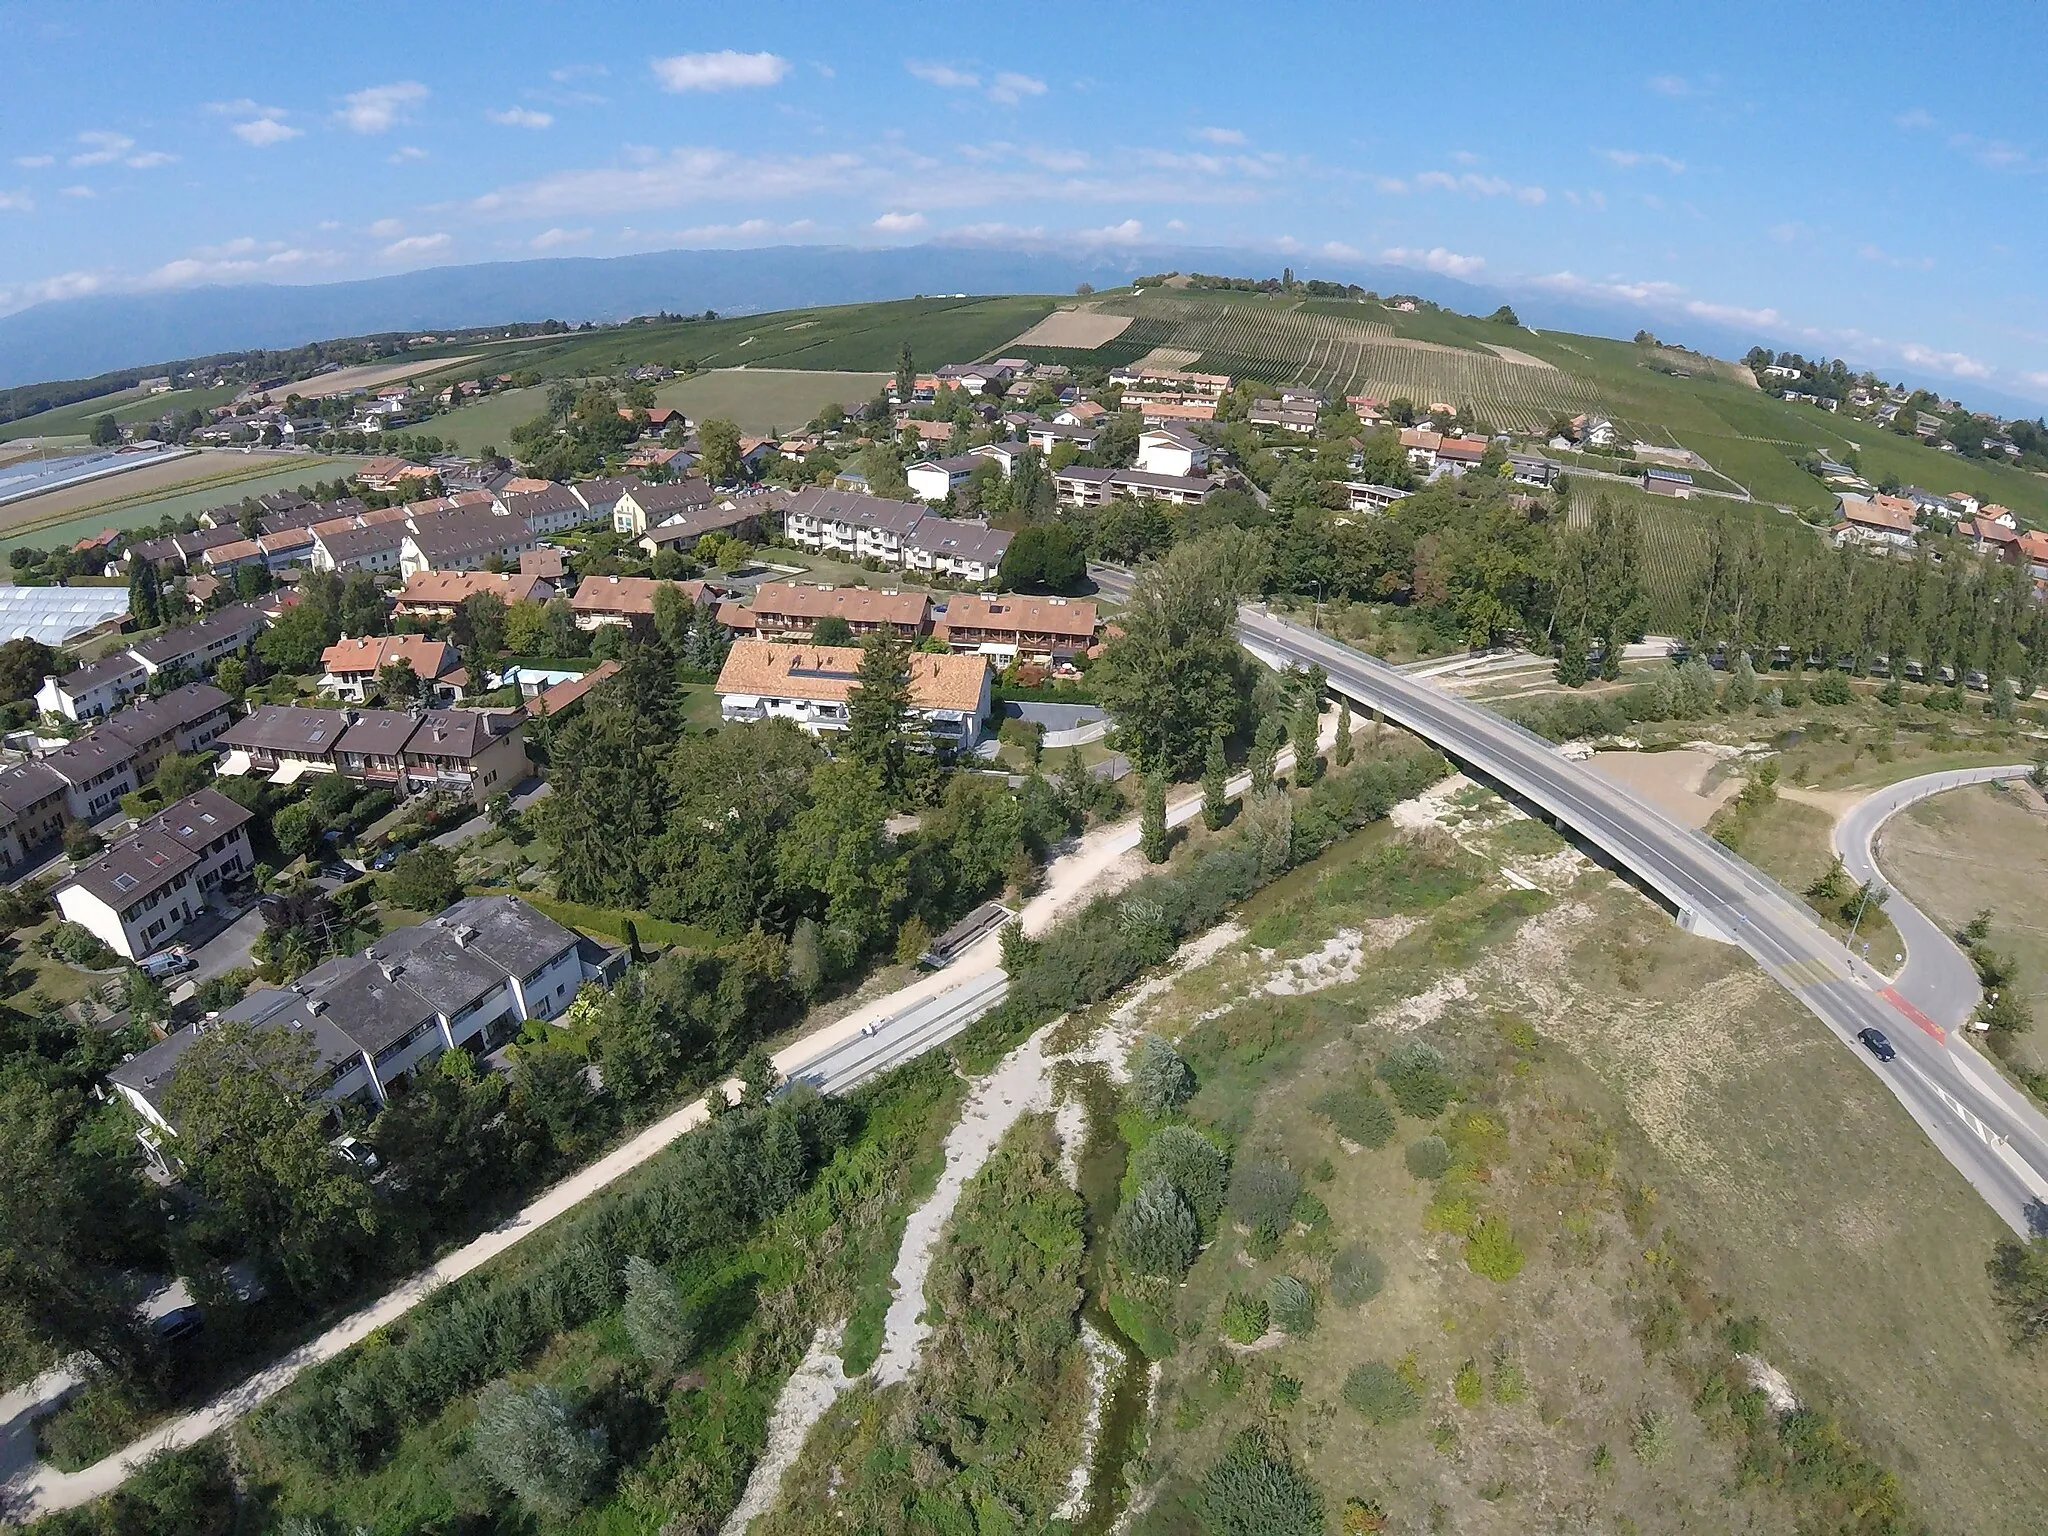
[
  {"x": 370, "y": 375},
  {"x": 1080, "y": 329},
  {"x": 1519, "y": 359},
  {"x": 1676, "y": 783}
]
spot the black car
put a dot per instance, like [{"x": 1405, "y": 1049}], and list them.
[{"x": 1875, "y": 1042}]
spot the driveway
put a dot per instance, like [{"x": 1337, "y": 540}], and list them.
[
  {"x": 227, "y": 950},
  {"x": 523, "y": 798}
]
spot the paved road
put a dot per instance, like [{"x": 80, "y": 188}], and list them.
[
  {"x": 1939, "y": 978},
  {"x": 1994, "y": 1136}
]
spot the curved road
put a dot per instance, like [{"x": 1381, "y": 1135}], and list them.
[{"x": 1993, "y": 1135}]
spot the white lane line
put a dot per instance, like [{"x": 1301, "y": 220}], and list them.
[{"x": 2000, "y": 1148}]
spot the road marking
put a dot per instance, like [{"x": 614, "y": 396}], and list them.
[
  {"x": 1891, "y": 995},
  {"x": 1813, "y": 971},
  {"x": 1999, "y": 1146}
]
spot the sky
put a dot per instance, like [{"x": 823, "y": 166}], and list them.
[{"x": 1864, "y": 183}]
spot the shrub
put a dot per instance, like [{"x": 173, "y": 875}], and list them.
[
  {"x": 1291, "y": 1305},
  {"x": 1143, "y": 1325},
  {"x": 528, "y": 1444},
  {"x": 1510, "y": 1383},
  {"x": 1192, "y": 1164},
  {"x": 656, "y": 1317},
  {"x": 1244, "y": 1317},
  {"x": 1650, "y": 1436},
  {"x": 1466, "y": 1386},
  {"x": 1155, "y": 1232},
  {"x": 1310, "y": 1211},
  {"x": 1358, "y": 1115},
  {"x": 1255, "y": 1490},
  {"x": 81, "y": 946},
  {"x": 1419, "y": 1079},
  {"x": 1362, "y": 1517},
  {"x": 422, "y": 880},
  {"x": 1429, "y": 1158},
  {"x": 1284, "y": 1391},
  {"x": 1356, "y": 1276},
  {"x": 1831, "y": 687},
  {"x": 1262, "y": 1196},
  {"x": 1492, "y": 1251},
  {"x": 1379, "y": 1393},
  {"x": 1160, "y": 1080}
]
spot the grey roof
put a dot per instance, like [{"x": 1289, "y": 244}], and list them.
[
  {"x": 24, "y": 784},
  {"x": 960, "y": 540},
  {"x": 600, "y": 495},
  {"x": 1161, "y": 482},
  {"x": 556, "y": 498},
  {"x": 146, "y": 720},
  {"x": 158, "y": 850},
  {"x": 354, "y": 543},
  {"x": 235, "y": 618},
  {"x": 90, "y": 756},
  {"x": 698, "y": 521},
  {"x": 80, "y": 681},
  {"x": 1073, "y": 433},
  {"x": 150, "y": 1072},
  {"x": 877, "y": 512},
  {"x": 1084, "y": 472},
  {"x": 675, "y": 496},
  {"x": 461, "y": 733},
  {"x": 1180, "y": 437},
  {"x": 379, "y": 732},
  {"x": 281, "y": 728},
  {"x": 468, "y": 531},
  {"x": 958, "y": 464}
]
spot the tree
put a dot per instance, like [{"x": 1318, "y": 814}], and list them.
[
  {"x": 1155, "y": 1233},
  {"x": 252, "y": 1134},
  {"x": 145, "y": 603},
  {"x": 423, "y": 880},
  {"x": 480, "y": 625},
  {"x": 1303, "y": 730},
  {"x": 399, "y": 684},
  {"x": 1160, "y": 1080},
  {"x": 24, "y": 663},
  {"x": 1215, "y": 785},
  {"x": 1255, "y": 1490},
  {"x": 718, "y": 458},
  {"x": 878, "y": 714},
  {"x": 1046, "y": 558},
  {"x": 832, "y": 630},
  {"x": 231, "y": 676},
  {"x": 1264, "y": 760},
  {"x": 1152, "y": 820},
  {"x": 1341, "y": 750},
  {"x": 656, "y": 1316},
  {"x": 906, "y": 375},
  {"x": 528, "y": 1443},
  {"x": 2019, "y": 1288}
]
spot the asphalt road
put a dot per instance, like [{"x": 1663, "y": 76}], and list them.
[{"x": 1986, "y": 1128}]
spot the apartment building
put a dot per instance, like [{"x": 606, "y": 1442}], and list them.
[
  {"x": 791, "y": 610},
  {"x": 810, "y": 685}
]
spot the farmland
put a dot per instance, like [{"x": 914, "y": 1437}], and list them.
[
  {"x": 488, "y": 423},
  {"x": 127, "y": 407},
  {"x": 768, "y": 399},
  {"x": 260, "y": 474}
]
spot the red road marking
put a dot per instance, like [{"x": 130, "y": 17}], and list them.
[{"x": 1891, "y": 995}]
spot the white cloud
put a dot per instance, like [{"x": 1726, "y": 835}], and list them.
[
  {"x": 521, "y": 117},
  {"x": 34, "y": 162},
  {"x": 1670, "y": 85},
  {"x": 1177, "y": 225},
  {"x": 66, "y": 285},
  {"x": 379, "y": 108},
  {"x": 1667, "y": 298},
  {"x": 1960, "y": 364},
  {"x": 243, "y": 107},
  {"x": 1287, "y": 245},
  {"x": 1480, "y": 186},
  {"x": 1130, "y": 232},
  {"x": 996, "y": 231},
  {"x": 102, "y": 148},
  {"x": 405, "y": 154},
  {"x": 1219, "y": 135},
  {"x": 1631, "y": 158},
  {"x": 555, "y": 239},
  {"x": 151, "y": 160},
  {"x": 2039, "y": 380},
  {"x": 681, "y": 178},
  {"x": 387, "y": 229},
  {"x": 1337, "y": 250},
  {"x": 1009, "y": 88},
  {"x": 1877, "y": 253},
  {"x": 16, "y": 202},
  {"x": 1436, "y": 259},
  {"x": 79, "y": 191},
  {"x": 1787, "y": 232},
  {"x": 722, "y": 71},
  {"x": 573, "y": 72},
  {"x": 945, "y": 76},
  {"x": 900, "y": 223},
  {"x": 243, "y": 257},
  {"x": 263, "y": 132},
  {"x": 718, "y": 234},
  {"x": 1918, "y": 117},
  {"x": 416, "y": 245},
  {"x": 1392, "y": 185}
]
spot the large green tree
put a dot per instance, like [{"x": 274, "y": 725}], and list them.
[{"x": 878, "y": 714}]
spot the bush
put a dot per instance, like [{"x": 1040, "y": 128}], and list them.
[
  {"x": 528, "y": 1444},
  {"x": 1262, "y": 1196},
  {"x": 1144, "y": 1326},
  {"x": 656, "y": 1317},
  {"x": 1429, "y": 1158},
  {"x": 1356, "y": 1276},
  {"x": 1155, "y": 1232},
  {"x": 81, "y": 947},
  {"x": 1160, "y": 1080},
  {"x": 1832, "y": 687},
  {"x": 1255, "y": 1490},
  {"x": 1650, "y": 1436},
  {"x": 1380, "y": 1393},
  {"x": 1291, "y": 1305},
  {"x": 1492, "y": 1251},
  {"x": 1192, "y": 1164},
  {"x": 422, "y": 880},
  {"x": 1419, "y": 1080},
  {"x": 1358, "y": 1115},
  {"x": 1245, "y": 1317}
]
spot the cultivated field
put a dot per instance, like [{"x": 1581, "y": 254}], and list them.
[
  {"x": 488, "y": 423},
  {"x": 372, "y": 375},
  {"x": 767, "y": 400},
  {"x": 128, "y": 407},
  {"x": 261, "y": 474},
  {"x": 1083, "y": 328}
]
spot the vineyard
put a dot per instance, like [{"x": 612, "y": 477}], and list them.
[
  {"x": 1676, "y": 539},
  {"x": 1339, "y": 354}
]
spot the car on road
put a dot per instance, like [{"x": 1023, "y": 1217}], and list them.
[{"x": 1875, "y": 1042}]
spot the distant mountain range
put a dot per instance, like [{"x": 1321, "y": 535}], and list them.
[{"x": 77, "y": 338}]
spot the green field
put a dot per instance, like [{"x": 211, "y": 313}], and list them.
[
  {"x": 126, "y": 407},
  {"x": 768, "y": 400},
  {"x": 488, "y": 423},
  {"x": 178, "y": 503}
]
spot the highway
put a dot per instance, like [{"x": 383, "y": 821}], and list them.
[{"x": 1986, "y": 1128}]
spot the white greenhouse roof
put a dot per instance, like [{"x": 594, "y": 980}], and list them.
[{"x": 54, "y": 615}]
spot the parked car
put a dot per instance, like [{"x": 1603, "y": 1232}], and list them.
[{"x": 168, "y": 962}]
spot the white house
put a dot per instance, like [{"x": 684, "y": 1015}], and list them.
[
  {"x": 1004, "y": 454},
  {"x": 950, "y": 695},
  {"x": 142, "y": 890},
  {"x": 1172, "y": 451},
  {"x": 92, "y": 691},
  {"x": 935, "y": 479}
]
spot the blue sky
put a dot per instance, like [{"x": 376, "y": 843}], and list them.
[{"x": 1864, "y": 183}]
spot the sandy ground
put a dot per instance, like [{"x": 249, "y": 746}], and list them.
[
  {"x": 813, "y": 1387},
  {"x": 1078, "y": 328},
  {"x": 1520, "y": 359},
  {"x": 1671, "y": 781},
  {"x": 369, "y": 376}
]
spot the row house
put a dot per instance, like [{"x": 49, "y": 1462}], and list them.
[
  {"x": 791, "y": 610},
  {"x": 463, "y": 980},
  {"x": 437, "y": 594},
  {"x": 965, "y": 551},
  {"x": 810, "y": 685},
  {"x": 553, "y": 509},
  {"x": 471, "y": 752},
  {"x": 905, "y": 534},
  {"x": 462, "y": 541},
  {"x": 1080, "y": 486},
  {"x": 95, "y": 691},
  {"x": 1009, "y": 628},
  {"x": 139, "y": 893},
  {"x": 737, "y": 518}
]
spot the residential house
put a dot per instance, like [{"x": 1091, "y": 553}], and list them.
[
  {"x": 972, "y": 377},
  {"x": 1864, "y": 522},
  {"x": 790, "y": 610},
  {"x": 194, "y": 650},
  {"x": 1009, "y": 628},
  {"x": 462, "y": 541},
  {"x": 551, "y": 702},
  {"x": 1988, "y": 536},
  {"x": 1661, "y": 481},
  {"x": 383, "y": 474},
  {"x": 1166, "y": 413},
  {"x": 464, "y": 980},
  {"x": 810, "y": 684},
  {"x": 548, "y": 563},
  {"x": 1172, "y": 451},
  {"x": 137, "y": 894},
  {"x": 601, "y": 497},
  {"x": 1364, "y": 496},
  {"x": 1080, "y": 486},
  {"x": 936, "y": 479},
  {"x": 932, "y": 434},
  {"x": 1457, "y": 455},
  {"x": 1281, "y": 416},
  {"x": 349, "y": 667},
  {"x": 87, "y": 692},
  {"x": 1004, "y": 455},
  {"x": 1421, "y": 444},
  {"x": 1597, "y": 432},
  {"x": 545, "y": 511},
  {"x": 850, "y": 525},
  {"x": 32, "y": 810},
  {"x": 735, "y": 517},
  {"x": 437, "y": 594},
  {"x": 956, "y": 547},
  {"x": 1370, "y": 412},
  {"x": 602, "y": 600},
  {"x": 183, "y": 720},
  {"x": 471, "y": 752},
  {"x": 349, "y": 546},
  {"x": 1082, "y": 413},
  {"x": 641, "y": 507},
  {"x": 1533, "y": 468},
  {"x": 1048, "y": 435}
]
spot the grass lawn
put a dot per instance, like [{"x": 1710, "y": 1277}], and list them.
[
  {"x": 767, "y": 400},
  {"x": 488, "y": 423}
]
